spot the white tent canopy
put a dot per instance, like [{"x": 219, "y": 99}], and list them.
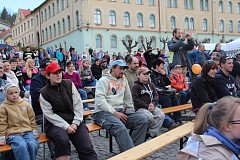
[{"x": 234, "y": 45}]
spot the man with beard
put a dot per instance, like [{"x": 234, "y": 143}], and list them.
[
  {"x": 180, "y": 44},
  {"x": 131, "y": 72},
  {"x": 114, "y": 109}
]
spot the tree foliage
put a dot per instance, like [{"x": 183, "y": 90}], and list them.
[{"x": 7, "y": 17}]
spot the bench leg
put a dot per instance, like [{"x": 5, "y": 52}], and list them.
[{"x": 110, "y": 143}]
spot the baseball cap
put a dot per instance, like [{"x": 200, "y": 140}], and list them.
[
  {"x": 118, "y": 63},
  {"x": 52, "y": 68},
  {"x": 143, "y": 69},
  {"x": 223, "y": 59}
]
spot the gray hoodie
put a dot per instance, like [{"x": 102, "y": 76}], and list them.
[{"x": 113, "y": 94}]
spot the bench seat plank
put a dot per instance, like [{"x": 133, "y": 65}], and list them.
[
  {"x": 151, "y": 146},
  {"x": 93, "y": 127},
  {"x": 88, "y": 101},
  {"x": 177, "y": 108}
]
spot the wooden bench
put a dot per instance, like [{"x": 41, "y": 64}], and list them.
[
  {"x": 88, "y": 101},
  {"x": 90, "y": 87},
  {"x": 177, "y": 108},
  {"x": 143, "y": 150}
]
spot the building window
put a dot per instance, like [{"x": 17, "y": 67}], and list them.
[
  {"x": 151, "y": 2},
  {"x": 21, "y": 29},
  {"x": 125, "y": 1},
  {"x": 230, "y": 26},
  {"x": 172, "y": 3},
  {"x": 97, "y": 17},
  {"x": 173, "y": 22},
  {"x": 113, "y": 41},
  {"x": 77, "y": 19},
  {"x": 50, "y": 32},
  {"x": 139, "y": 2},
  {"x": 45, "y": 13},
  {"x": 238, "y": 26},
  {"x": 28, "y": 24},
  {"x": 54, "y": 30},
  {"x": 64, "y": 26},
  {"x": 98, "y": 41},
  {"x": 205, "y": 25},
  {"x": 32, "y": 37},
  {"x": 59, "y": 28},
  {"x": 41, "y": 19},
  {"x": 37, "y": 19},
  {"x": 238, "y": 8},
  {"x": 152, "y": 21},
  {"x": 153, "y": 45},
  {"x": 230, "y": 7},
  {"x": 188, "y": 4},
  {"x": 31, "y": 23},
  {"x": 201, "y": 5},
  {"x": 112, "y": 18},
  {"x": 49, "y": 12},
  {"x": 139, "y": 20},
  {"x": 69, "y": 23},
  {"x": 206, "y": 5},
  {"x": 24, "y": 25},
  {"x": 221, "y": 26},
  {"x": 53, "y": 9},
  {"x": 191, "y": 24},
  {"x": 62, "y": 4},
  {"x": 186, "y": 23},
  {"x": 46, "y": 30},
  {"x": 67, "y": 3},
  {"x": 126, "y": 19},
  {"x": 42, "y": 36},
  {"x": 220, "y": 6},
  {"x": 57, "y": 6}
]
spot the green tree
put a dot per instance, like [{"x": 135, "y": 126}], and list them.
[{"x": 4, "y": 14}]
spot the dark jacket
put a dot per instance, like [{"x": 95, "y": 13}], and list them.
[
  {"x": 144, "y": 94},
  {"x": 180, "y": 50},
  {"x": 159, "y": 80},
  {"x": 203, "y": 91},
  {"x": 96, "y": 71},
  {"x": 197, "y": 57},
  {"x": 225, "y": 85},
  {"x": 236, "y": 68},
  {"x": 37, "y": 83},
  {"x": 149, "y": 57}
]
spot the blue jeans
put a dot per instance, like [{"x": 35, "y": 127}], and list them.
[
  {"x": 137, "y": 124},
  {"x": 184, "y": 97},
  {"x": 84, "y": 96},
  {"x": 24, "y": 147},
  {"x": 92, "y": 83}
]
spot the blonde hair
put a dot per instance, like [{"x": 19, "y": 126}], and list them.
[
  {"x": 28, "y": 69},
  {"x": 216, "y": 115}
]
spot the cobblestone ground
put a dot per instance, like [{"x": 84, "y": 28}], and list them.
[{"x": 101, "y": 145}]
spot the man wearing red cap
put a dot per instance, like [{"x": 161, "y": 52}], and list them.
[{"x": 63, "y": 109}]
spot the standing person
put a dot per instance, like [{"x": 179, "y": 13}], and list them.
[
  {"x": 28, "y": 54},
  {"x": 218, "y": 50},
  {"x": 199, "y": 56},
  {"x": 90, "y": 51},
  {"x": 96, "y": 69},
  {"x": 64, "y": 114},
  {"x": 203, "y": 87},
  {"x": 131, "y": 72},
  {"x": 18, "y": 132},
  {"x": 59, "y": 56},
  {"x": 145, "y": 100},
  {"x": 140, "y": 57},
  {"x": 29, "y": 71},
  {"x": 215, "y": 133},
  {"x": 180, "y": 44},
  {"x": 226, "y": 83},
  {"x": 114, "y": 109},
  {"x": 149, "y": 57}
]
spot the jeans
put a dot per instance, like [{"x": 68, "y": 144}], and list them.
[
  {"x": 24, "y": 147},
  {"x": 84, "y": 96},
  {"x": 92, "y": 83},
  {"x": 137, "y": 124},
  {"x": 184, "y": 97}
]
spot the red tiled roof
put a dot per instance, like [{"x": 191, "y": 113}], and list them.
[
  {"x": 5, "y": 32},
  {"x": 25, "y": 12}
]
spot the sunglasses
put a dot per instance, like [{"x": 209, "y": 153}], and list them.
[{"x": 228, "y": 57}]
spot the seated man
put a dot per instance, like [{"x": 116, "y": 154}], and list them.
[
  {"x": 115, "y": 111},
  {"x": 62, "y": 106}
]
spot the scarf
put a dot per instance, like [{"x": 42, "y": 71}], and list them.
[{"x": 235, "y": 148}]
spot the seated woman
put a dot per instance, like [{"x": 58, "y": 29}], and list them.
[
  {"x": 75, "y": 78},
  {"x": 202, "y": 88},
  {"x": 96, "y": 69},
  {"x": 28, "y": 72},
  {"x": 145, "y": 100},
  {"x": 167, "y": 98},
  {"x": 86, "y": 74},
  {"x": 216, "y": 132}
]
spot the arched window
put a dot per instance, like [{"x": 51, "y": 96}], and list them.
[
  {"x": 53, "y": 9},
  {"x": 50, "y": 32},
  {"x": 205, "y": 25},
  {"x": 152, "y": 22},
  {"x": 173, "y": 22},
  {"x": 139, "y": 20},
  {"x": 77, "y": 18},
  {"x": 113, "y": 41},
  {"x": 41, "y": 18},
  {"x": 238, "y": 26},
  {"x": 191, "y": 24},
  {"x": 98, "y": 41},
  {"x": 238, "y": 8},
  {"x": 221, "y": 26},
  {"x": 126, "y": 19},
  {"x": 54, "y": 30},
  {"x": 45, "y": 13},
  {"x": 112, "y": 18},
  {"x": 46, "y": 30},
  {"x": 58, "y": 6},
  {"x": 42, "y": 36},
  {"x": 69, "y": 23},
  {"x": 186, "y": 23},
  {"x": 220, "y": 6},
  {"x": 64, "y": 26},
  {"x": 230, "y": 7},
  {"x": 49, "y": 12},
  {"x": 97, "y": 17},
  {"x": 37, "y": 19},
  {"x": 59, "y": 28},
  {"x": 154, "y": 41},
  {"x": 230, "y": 26},
  {"x": 62, "y": 4}
]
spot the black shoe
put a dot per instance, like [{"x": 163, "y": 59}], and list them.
[{"x": 147, "y": 136}]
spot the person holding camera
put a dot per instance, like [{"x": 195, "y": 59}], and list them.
[
  {"x": 181, "y": 43},
  {"x": 149, "y": 57}
]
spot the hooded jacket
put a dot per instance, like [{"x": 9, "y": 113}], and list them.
[
  {"x": 16, "y": 118},
  {"x": 205, "y": 147},
  {"x": 113, "y": 94},
  {"x": 177, "y": 81},
  {"x": 144, "y": 94}
]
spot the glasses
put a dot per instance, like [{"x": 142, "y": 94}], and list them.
[{"x": 234, "y": 122}]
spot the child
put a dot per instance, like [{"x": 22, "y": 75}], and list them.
[
  {"x": 145, "y": 99},
  {"x": 177, "y": 82},
  {"x": 17, "y": 125}
]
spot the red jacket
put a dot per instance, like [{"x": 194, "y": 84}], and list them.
[{"x": 177, "y": 81}]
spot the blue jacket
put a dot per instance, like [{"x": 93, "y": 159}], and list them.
[
  {"x": 59, "y": 56},
  {"x": 198, "y": 57}
]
